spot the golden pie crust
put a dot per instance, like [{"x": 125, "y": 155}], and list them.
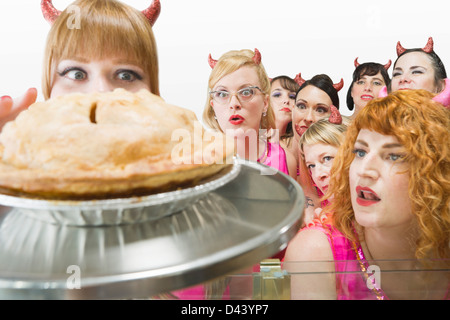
[{"x": 107, "y": 145}]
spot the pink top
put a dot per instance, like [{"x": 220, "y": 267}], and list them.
[
  {"x": 352, "y": 277},
  {"x": 276, "y": 157}
]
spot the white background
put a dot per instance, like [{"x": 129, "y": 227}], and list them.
[{"x": 293, "y": 36}]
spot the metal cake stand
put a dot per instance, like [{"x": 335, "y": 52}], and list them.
[{"x": 247, "y": 219}]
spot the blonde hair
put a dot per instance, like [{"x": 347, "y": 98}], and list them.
[
  {"x": 324, "y": 132},
  {"x": 107, "y": 27},
  {"x": 422, "y": 126},
  {"x": 229, "y": 63}
]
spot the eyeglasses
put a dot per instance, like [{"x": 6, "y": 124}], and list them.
[{"x": 244, "y": 95}]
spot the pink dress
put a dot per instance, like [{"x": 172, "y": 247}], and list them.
[
  {"x": 353, "y": 280},
  {"x": 276, "y": 157}
]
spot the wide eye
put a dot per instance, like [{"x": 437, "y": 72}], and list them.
[
  {"x": 75, "y": 74},
  {"x": 246, "y": 92},
  {"x": 301, "y": 106},
  {"x": 220, "y": 95},
  {"x": 321, "y": 109},
  {"x": 128, "y": 75}
]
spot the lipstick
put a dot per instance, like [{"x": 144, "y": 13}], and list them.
[
  {"x": 236, "y": 119},
  {"x": 366, "y": 197},
  {"x": 300, "y": 129}
]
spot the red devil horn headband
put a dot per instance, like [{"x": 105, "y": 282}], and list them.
[
  {"x": 300, "y": 81},
  {"x": 335, "y": 116},
  {"x": 428, "y": 47},
  {"x": 386, "y": 66},
  {"x": 51, "y": 13},
  {"x": 256, "y": 58},
  {"x": 339, "y": 86}
]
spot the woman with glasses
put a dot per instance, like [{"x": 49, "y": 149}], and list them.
[
  {"x": 388, "y": 237},
  {"x": 238, "y": 105}
]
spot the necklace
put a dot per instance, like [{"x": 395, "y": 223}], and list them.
[{"x": 366, "y": 268}]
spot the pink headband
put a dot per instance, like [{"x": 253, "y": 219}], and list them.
[
  {"x": 443, "y": 97},
  {"x": 386, "y": 66},
  {"x": 428, "y": 47},
  {"x": 51, "y": 13},
  {"x": 300, "y": 81},
  {"x": 256, "y": 58}
]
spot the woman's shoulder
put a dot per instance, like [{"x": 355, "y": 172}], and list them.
[{"x": 310, "y": 244}]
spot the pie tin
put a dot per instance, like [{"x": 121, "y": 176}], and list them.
[{"x": 118, "y": 211}]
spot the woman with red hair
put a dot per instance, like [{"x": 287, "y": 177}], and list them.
[{"x": 390, "y": 189}]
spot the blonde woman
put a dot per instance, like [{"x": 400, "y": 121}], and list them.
[
  {"x": 238, "y": 105},
  {"x": 319, "y": 146}
]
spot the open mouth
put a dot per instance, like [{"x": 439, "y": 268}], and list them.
[
  {"x": 236, "y": 119},
  {"x": 366, "y": 196},
  {"x": 366, "y": 97}
]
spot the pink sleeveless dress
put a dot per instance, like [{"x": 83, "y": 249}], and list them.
[
  {"x": 353, "y": 280},
  {"x": 276, "y": 157}
]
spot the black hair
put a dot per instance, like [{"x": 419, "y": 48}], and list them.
[
  {"x": 324, "y": 83},
  {"x": 436, "y": 62},
  {"x": 366, "y": 69}
]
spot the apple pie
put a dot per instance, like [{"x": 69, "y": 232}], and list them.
[{"x": 107, "y": 145}]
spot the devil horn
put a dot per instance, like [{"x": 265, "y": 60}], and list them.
[
  {"x": 339, "y": 86},
  {"x": 335, "y": 116},
  {"x": 298, "y": 78},
  {"x": 429, "y": 46},
  {"x": 400, "y": 49},
  {"x": 388, "y": 65},
  {"x": 152, "y": 12},
  {"x": 211, "y": 61},
  {"x": 49, "y": 11},
  {"x": 257, "y": 57},
  {"x": 356, "y": 63}
]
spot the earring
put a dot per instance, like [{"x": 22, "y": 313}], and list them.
[{"x": 264, "y": 114}]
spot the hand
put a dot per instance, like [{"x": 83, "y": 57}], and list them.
[
  {"x": 315, "y": 217},
  {"x": 9, "y": 108}
]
